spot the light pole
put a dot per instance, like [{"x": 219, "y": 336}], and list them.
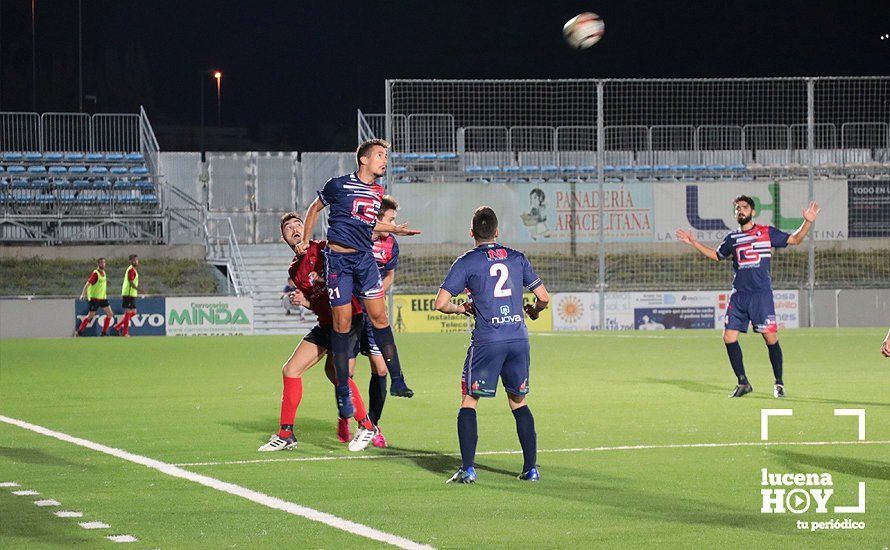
[
  {"x": 203, "y": 74},
  {"x": 34, "y": 55},
  {"x": 218, "y": 76}
]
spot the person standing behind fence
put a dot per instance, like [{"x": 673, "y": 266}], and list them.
[
  {"x": 95, "y": 290},
  {"x": 129, "y": 291}
]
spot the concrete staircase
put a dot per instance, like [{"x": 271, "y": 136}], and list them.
[{"x": 266, "y": 265}]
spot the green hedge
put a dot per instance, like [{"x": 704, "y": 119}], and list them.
[{"x": 165, "y": 277}]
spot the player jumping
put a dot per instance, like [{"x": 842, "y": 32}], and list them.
[
  {"x": 306, "y": 271},
  {"x": 494, "y": 276},
  {"x": 751, "y": 300},
  {"x": 355, "y": 200},
  {"x": 96, "y": 291}
]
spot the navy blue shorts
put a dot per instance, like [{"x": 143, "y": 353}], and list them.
[
  {"x": 756, "y": 308},
  {"x": 347, "y": 273},
  {"x": 486, "y": 363}
]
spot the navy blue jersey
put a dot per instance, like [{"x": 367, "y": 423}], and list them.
[
  {"x": 354, "y": 205},
  {"x": 386, "y": 252},
  {"x": 494, "y": 276},
  {"x": 751, "y": 251}
]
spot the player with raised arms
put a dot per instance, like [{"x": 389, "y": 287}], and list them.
[
  {"x": 354, "y": 200},
  {"x": 306, "y": 271},
  {"x": 751, "y": 301},
  {"x": 494, "y": 276}
]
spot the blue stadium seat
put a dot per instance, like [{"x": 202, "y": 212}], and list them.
[
  {"x": 511, "y": 169},
  {"x": 123, "y": 185},
  {"x": 2, "y": 169},
  {"x": 662, "y": 168},
  {"x": 446, "y": 156},
  {"x": 67, "y": 196},
  {"x": 608, "y": 168},
  {"x": 399, "y": 169},
  {"x": 114, "y": 157},
  {"x": 38, "y": 184},
  {"x": 135, "y": 157},
  {"x": 491, "y": 168},
  {"x": 32, "y": 157},
  {"x": 589, "y": 169},
  {"x": 139, "y": 170},
  {"x": 82, "y": 184},
  {"x": 395, "y": 155},
  {"x": 698, "y": 167},
  {"x": 38, "y": 169},
  {"x": 119, "y": 170},
  {"x": 63, "y": 183},
  {"x": 643, "y": 168},
  {"x": 568, "y": 168},
  {"x": 624, "y": 168},
  {"x": 58, "y": 170},
  {"x": 410, "y": 156},
  {"x": 680, "y": 167},
  {"x": 12, "y": 156},
  {"x": 737, "y": 167},
  {"x": 530, "y": 168},
  {"x": 15, "y": 169},
  {"x": 473, "y": 169},
  {"x": 19, "y": 183},
  {"x": 101, "y": 184},
  {"x": 145, "y": 186},
  {"x": 717, "y": 167},
  {"x": 73, "y": 157},
  {"x": 53, "y": 157},
  {"x": 45, "y": 198},
  {"x": 94, "y": 157},
  {"x": 148, "y": 199},
  {"x": 77, "y": 170},
  {"x": 550, "y": 168},
  {"x": 98, "y": 170},
  {"x": 427, "y": 156}
]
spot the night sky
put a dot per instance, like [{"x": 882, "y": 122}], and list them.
[{"x": 295, "y": 72}]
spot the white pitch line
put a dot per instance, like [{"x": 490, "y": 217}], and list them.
[
  {"x": 230, "y": 488},
  {"x": 122, "y": 538},
  {"x": 569, "y": 450},
  {"x": 26, "y": 493},
  {"x": 68, "y": 514},
  {"x": 47, "y": 502},
  {"x": 94, "y": 525},
  {"x": 9, "y": 484}
]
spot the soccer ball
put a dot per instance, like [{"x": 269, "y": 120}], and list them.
[{"x": 584, "y": 30}]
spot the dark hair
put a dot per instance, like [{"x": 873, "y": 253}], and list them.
[
  {"x": 388, "y": 203},
  {"x": 539, "y": 193},
  {"x": 133, "y": 257},
  {"x": 288, "y": 217},
  {"x": 485, "y": 223},
  {"x": 99, "y": 260},
  {"x": 744, "y": 198},
  {"x": 366, "y": 146}
]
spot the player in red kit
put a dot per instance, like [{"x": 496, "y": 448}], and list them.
[{"x": 307, "y": 273}]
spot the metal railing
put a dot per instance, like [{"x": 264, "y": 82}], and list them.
[
  {"x": 76, "y": 132},
  {"x": 223, "y": 249}
]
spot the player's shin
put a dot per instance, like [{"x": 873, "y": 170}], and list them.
[
  {"x": 387, "y": 344},
  {"x": 528, "y": 438},
  {"x": 734, "y": 351},
  {"x": 361, "y": 414},
  {"x": 467, "y": 436},
  {"x": 376, "y": 397},
  {"x": 775, "y": 358},
  {"x": 291, "y": 395}
]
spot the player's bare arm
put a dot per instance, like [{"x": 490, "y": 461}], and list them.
[
  {"x": 809, "y": 216},
  {"x": 686, "y": 237},
  {"x": 388, "y": 279},
  {"x": 83, "y": 292},
  {"x": 445, "y": 305},
  {"x": 542, "y": 300},
  {"x": 308, "y": 224},
  {"x": 885, "y": 347},
  {"x": 401, "y": 229},
  {"x": 298, "y": 299}
]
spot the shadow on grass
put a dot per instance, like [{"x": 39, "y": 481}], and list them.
[
  {"x": 444, "y": 464},
  {"x": 33, "y": 456},
  {"x": 321, "y": 433},
  {"x": 689, "y": 385},
  {"x": 797, "y": 461}
]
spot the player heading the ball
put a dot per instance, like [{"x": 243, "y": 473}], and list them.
[{"x": 354, "y": 200}]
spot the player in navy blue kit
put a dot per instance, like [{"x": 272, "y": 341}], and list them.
[
  {"x": 750, "y": 247},
  {"x": 494, "y": 277},
  {"x": 354, "y": 201}
]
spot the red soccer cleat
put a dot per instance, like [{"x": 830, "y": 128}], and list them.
[{"x": 343, "y": 435}]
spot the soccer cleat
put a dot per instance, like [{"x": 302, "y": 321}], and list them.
[
  {"x": 531, "y": 475},
  {"x": 398, "y": 388},
  {"x": 464, "y": 476},
  {"x": 741, "y": 389},
  {"x": 343, "y": 435},
  {"x": 344, "y": 402},
  {"x": 778, "y": 391},
  {"x": 277, "y": 443},
  {"x": 379, "y": 440},
  {"x": 362, "y": 439}
]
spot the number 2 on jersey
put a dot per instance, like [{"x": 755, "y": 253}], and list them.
[{"x": 500, "y": 271}]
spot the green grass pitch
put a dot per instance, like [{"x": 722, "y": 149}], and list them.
[{"x": 215, "y": 400}]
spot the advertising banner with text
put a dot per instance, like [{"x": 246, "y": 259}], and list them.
[
  {"x": 150, "y": 319},
  {"x": 417, "y": 313},
  {"x": 209, "y": 316}
]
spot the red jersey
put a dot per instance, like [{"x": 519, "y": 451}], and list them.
[{"x": 307, "y": 272}]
